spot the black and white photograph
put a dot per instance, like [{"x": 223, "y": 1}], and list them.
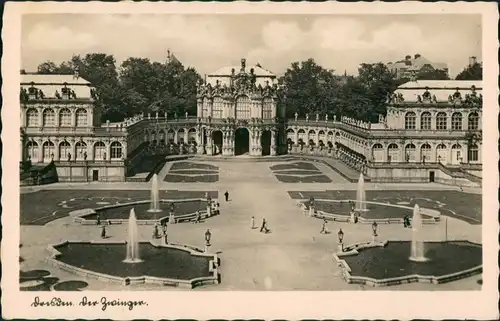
[{"x": 198, "y": 153}]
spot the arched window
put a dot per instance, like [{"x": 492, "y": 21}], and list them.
[
  {"x": 302, "y": 135},
  {"x": 81, "y": 117},
  {"x": 170, "y": 135},
  {"x": 64, "y": 150},
  {"x": 456, "y": 154},
  {"x": 99, "y": 151},
  {"x": 243, "y": 106},
  {"x": 311, "y": 135},
  {"x": 267, "y": 108},
  {"x": 441, "y": 121},
  {"x": 49, "y": 118},
  {"x": 378, "y": 153},
  {"x": 205, "y": 107},
  {"x": 191, "y": 135},
  {"x": 218, "y": 108},
  {"x": 32, "y": 118},
  {"x": 32, "y": 150},
  {"x": 473, "y": 123},
  {"x": 321, "y": 135},
  {"x": 180, "y": 136},
  {"x": 425, "y": 153},
  {"x": 48, "y": 151},
  {"x": 393, "y": 153},
  {"x": 410, "y": 154},
  {"x": 410, "y": 120},
  {"x": 473, "y": 153},
  {"x": 65, "y": 118},
  {"x": 441, "y": 154},
  {"x": 81, "y": 149},
  {"x": 456, "y": 121},
  {"x": 290, "y": 134},
  {"x": 116, "y": 150},
  {"x": 425, "y": 121},
  {"x": 330, "y": 136}
]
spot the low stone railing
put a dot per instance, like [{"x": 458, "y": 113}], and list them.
[
  {"x": 353, "y": 250},
  {"x": 79, "y": 215},
  {"x": 213, "y": 268},
  {"x": 436, "y": 215}
]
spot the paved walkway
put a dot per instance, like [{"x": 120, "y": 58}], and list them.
[{"x": 294, "y": 256}]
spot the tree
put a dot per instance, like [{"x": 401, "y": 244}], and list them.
[
  {"x": 309, "y": 89},
  {"x": 474, "y": 72},
  {"x": 46, "y": 68},
  {"x": 370, "y": 89}
]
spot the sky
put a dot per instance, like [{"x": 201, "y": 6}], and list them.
[{"x": 209, "y": 42}]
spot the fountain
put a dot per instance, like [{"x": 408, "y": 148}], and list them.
[
  {"x": 132, "y": 243},
  {"x": 155, "y": 200},
  {"x": 361, "y": 195},
  {"x": 417, "y": 245}
]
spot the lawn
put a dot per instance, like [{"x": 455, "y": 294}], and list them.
[
  {"x": 41, "y": 207},
  {"x": 303, "y": 179},
  {"x": 464, "y": 206}
]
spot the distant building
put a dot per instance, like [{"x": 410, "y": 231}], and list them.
[{"x": 412, "y": 66}]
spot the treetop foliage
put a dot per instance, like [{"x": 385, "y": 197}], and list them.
[{"x": 140, "y": 85}]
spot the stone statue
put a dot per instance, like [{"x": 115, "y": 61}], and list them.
[
  {"x": 334, "y": 117},
  {"x": 186, "y": 115},
  {"x": 165, "y": 115},
  {"x": 326, "y": 118},
  {"x": 296, "y": 116},
  {"x": 317, "y": 117},
  {"x": 307, "y": 117},
  {"x": 149, "y": 115},
  {"x": 157, "y": 115}
]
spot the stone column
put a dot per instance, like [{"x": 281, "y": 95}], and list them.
[
  {"x": 209, "y": 142},
  {"x": 273, "y": 142},
  {"x": 40, "y": 150}
]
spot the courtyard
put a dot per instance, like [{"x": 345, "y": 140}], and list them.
[{"x": 293, "y": 256}]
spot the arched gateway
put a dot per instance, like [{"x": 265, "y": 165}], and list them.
[{"x": 241, "y": 141}]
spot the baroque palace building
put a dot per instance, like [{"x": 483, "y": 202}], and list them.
[{"x": 432, "y": 130}]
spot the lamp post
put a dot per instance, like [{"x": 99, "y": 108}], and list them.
[
  {"x": 341, "y": 238},
  {"x": 374, "y": 235},
  {"x": 208, "y": 236}
]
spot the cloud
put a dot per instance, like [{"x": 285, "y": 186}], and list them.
[
  {"x": 209, "y": 42},
  {"x": 48, "y": 37}
]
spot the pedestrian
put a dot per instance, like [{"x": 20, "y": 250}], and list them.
[
  {"x": 165, "y": 236},
  {"x": 226, "y": 194},
  {"x": 198, "y": 217},
  {"x": 253, "y": 222},
  {"x": 264, "y": 228},
  {"x": 155, "y": 231},
  {"x": 217, "y": 211},
  {"x": 324, "y": 229},
  {"x": 103, "y": 232},
  {"x": 98, "y": 219}
]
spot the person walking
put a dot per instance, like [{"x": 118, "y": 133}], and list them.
[
  {"x": 98, "y": 219},
  {"x": 103, "y": 231},
  {"x": 324, "y": 228},
  {"x": 226, "y": 195},
  {"x": 253, "y": 222}
]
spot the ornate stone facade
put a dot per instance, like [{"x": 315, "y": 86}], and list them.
[
  {"x": 60, "y": 123},
  {"x": 431, "y": 127}
]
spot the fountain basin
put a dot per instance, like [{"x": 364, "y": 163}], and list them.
[
  {"x": 169, "y": 265},
  {"x": 339, "y": 210},
  {"x": 388, "y": 263},
  {"x": 185, "y": 210}
]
